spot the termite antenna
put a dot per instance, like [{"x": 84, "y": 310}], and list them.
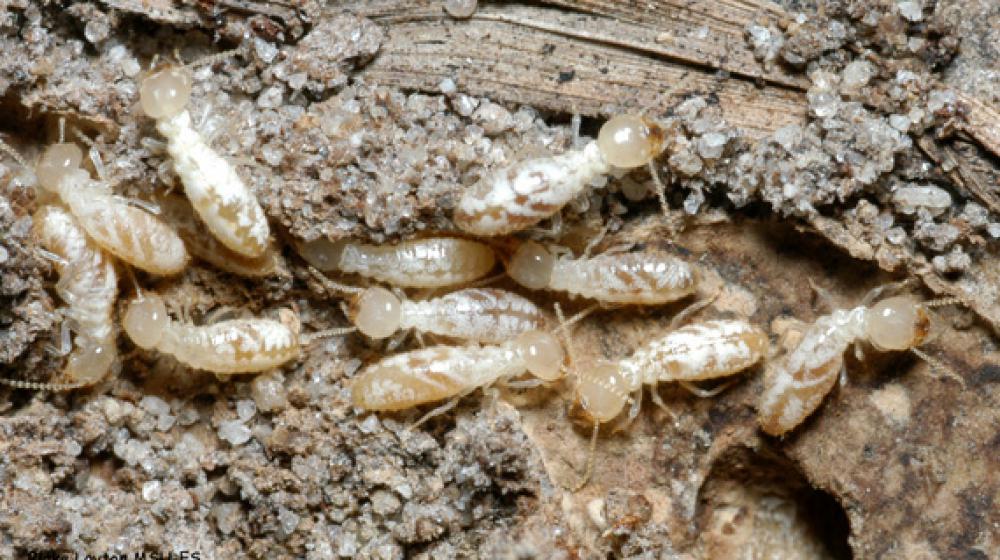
[
  {"x": 309, "y": 338},
  {"x": 62, "y": 129},
  {"x": 941, "y": 302},
  {"x": 589, "y": 469},
  {"x": 213, "y": 58},
  {"x": 331, "y": 285},
  {"x": 938, "y": 366},
  {"x": 661, "y": 188},
  {"x": 13, "y": 154},
  {"x": 42, "y": 386},
  {"x": 690, "y": 310},
  {"x": 135, "y": 283}
]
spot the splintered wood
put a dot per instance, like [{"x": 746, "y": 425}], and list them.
[{"x": 605, "y": 57}]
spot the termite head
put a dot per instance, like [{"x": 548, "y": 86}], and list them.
[
  {"x": 897, "y": 323},
  {"x": 57, "y": 161},
  {"x": 290, "y": 319},
  {"x": 322, "y": 253},
  {"x": 146, "y": 320},
  {"x": 531, "y": 266},
  {"x": 542, "y": 354},
  {"x": 90, "y": 361},
  {"x": 376, "y": 312},
  {"x": 165, "y": 93},
  {"x": 630, "y": 141},
  {"x": 601, "y": 390}
]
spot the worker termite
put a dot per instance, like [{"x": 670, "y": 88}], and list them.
[
  {"x": 796, "y": 384},
  {"x": 701, "y": 351},
  {"x": 89, "y": 286},
  {"x": 476, "y": 314},
  {"x": 441, "y": 372},
  {"x": 619, "y": 278},
  {"x": 203, "y": 245},
  {"x": 129, "y": 233},
  {"x": 524, "y": 193},
  {"x": 227, "y": 347},
  {"x": 434, "y": 262},
  {"x": 217, "y": 193}
]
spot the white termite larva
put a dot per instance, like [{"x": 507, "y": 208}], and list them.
[
  {"x": 440, "y": 372},
  {"x": 89, "y": 286},
  {"x": 203, "y": 245},
  {"x": 476, "y": 314},
  {"x": 434, "y": 262},
  {"x": 227, "y": 347},
  {"x": 129, "y": 233},
  {"x": 524, "y": 193},
  {"x": 701, "y": 351},
  {"x": 217, "y": 193},
  {"x": 796, "y": 383},
  {"x": 642, "y": 278}
]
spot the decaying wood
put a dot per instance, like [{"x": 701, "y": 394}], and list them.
[
  {"x": 605, "y": 57},
  {"x": 981, "y": 122}
]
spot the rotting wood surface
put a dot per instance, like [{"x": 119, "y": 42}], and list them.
[{"x": 600, "y": 58}]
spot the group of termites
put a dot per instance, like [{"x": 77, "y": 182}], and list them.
[{"x": 493, "y": 336}]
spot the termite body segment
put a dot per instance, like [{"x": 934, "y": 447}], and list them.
[
  {"x": 620, "y": 278},
  {"x": 440, "y": 372},
  {"x": 524, "y": 193},
  {"x": 133, "y": 235},
  {"x": 226, "y": 347},
  {"x": 475, "y": 314},
  {"x": 205, "y": 246},
  {"x": 89, "y": 285},
  {"x": 434, "y": 262},
  {"x": 798, "y": 381},
  {"x": 221, "y": 199}
]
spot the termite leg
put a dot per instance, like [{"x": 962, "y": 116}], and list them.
[
  {"x": 397, "y": 340},
  {"x": 524, "y": 384},
  {"x": 487, "y": 281},
  {"x": 842, "y": 378},
  {"x": 50, "y": 256},
  {"x": 634, "y": 408},
  {"x": 593, "y": 242},
  {"x": 706, "y": 393},
  {"x": 823, "y": 297},
  {"x": 436, "y": 411},
  {"x": 658, "y": 400},
  {"x": 575, "y": 122},
  {"x": 686, "y": 313},
  {"x": 876, "y": 292},
  {"x": 420, "y": 338},
  {"x": 65, "y": 341},
  {"x": 220, "y": 313}
]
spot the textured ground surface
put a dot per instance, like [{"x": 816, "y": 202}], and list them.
[{"x": 899, "y": 463}]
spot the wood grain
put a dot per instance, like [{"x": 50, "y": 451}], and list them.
[{"x": 603, "y": 57}]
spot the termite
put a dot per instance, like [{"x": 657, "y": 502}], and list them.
[
  {"x": 696, "y": 352},
  {"x": 217, "y": 193},
  {"x": 129, "y": 233},
  {"x": 641, "y": 278},
  {"x": 203, "y": 245},
  {"x": 89, "y": 286},
  {"x": 475, "y": 314},
  {"x": 227, "y": 347},
  {"x": 434, "y": 262},
  {"x": 441, "y": 372},
  {"x": 524, "y": 193},
  {"x": 797, "y": 382}
]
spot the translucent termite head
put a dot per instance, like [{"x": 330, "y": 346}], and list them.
[
  {"x": 90, "y": 361},
  {"x": 377, "y": 313},
  {"x": 601, "y": 390},
  {"x": 542, "y": 354},
  {"x": 291, "y": 320},
  {"x": 531, "y": 266},
  {"x": 57, "y": 161},
  {"x": 146, "y": 320},
  {"x": 630, "y": 141},
  {"x": 322, "y": 253},
  {"x": 165, "y": 93},
  {"x": 897, "y": 323}
]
